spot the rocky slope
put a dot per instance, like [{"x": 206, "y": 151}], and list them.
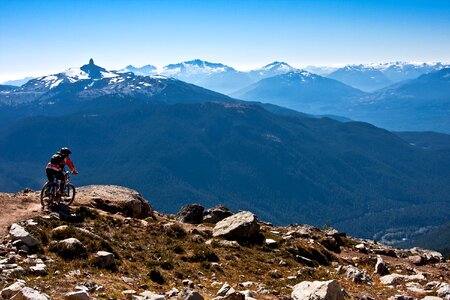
[{"x": 112, "y": 245}]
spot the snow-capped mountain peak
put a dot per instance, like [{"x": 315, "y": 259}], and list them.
[
  {"x": 143, "y": 71},
  {"x": 278, "y": 66},
  {"x": 302, "y": 75},
  {"x": 195, "y": 67},
  {"x": 272, "y": 69}
]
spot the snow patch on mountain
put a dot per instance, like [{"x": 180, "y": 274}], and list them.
[
  {"x": 56, "y": 83},
  {"x": 75, "y": 74}
]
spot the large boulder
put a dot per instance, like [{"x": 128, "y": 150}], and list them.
[
  {"x": 27, "y": 293},
  {"x": 192, "y": 214},
  {"x": 105, "y": 260},
  {"x": 17, "y": 232},
  {"x": 242, "y": 226},
  {"x": 427, "y": 256},
  {"x": 317, "y": 290},
  {"x": 13, "y": 289},
  {"x": 115, "y": 199},
  {"x": 78, "y": 295},
  {"x": 68, "y": 248},
  {"x": 216, "y": 214}
]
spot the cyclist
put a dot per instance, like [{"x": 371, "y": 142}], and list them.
[{"x": 55, "y": 167}]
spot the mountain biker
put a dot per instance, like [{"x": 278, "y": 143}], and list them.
[{"x": 55, "y": 167}]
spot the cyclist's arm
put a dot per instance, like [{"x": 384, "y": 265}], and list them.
[{"x": 69, "y": 163}]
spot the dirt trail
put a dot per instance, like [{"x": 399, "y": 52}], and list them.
[{"x": 17, "y": 207}]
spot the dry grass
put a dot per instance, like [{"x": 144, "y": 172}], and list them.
[{"x": 160, "y": 254}]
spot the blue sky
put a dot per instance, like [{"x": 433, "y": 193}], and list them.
[{"x": 41, "y": 37}]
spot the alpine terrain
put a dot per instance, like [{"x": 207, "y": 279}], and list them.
[{"x": 178, "y": 143}]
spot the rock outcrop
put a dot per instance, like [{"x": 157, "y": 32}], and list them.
[
  {"x": 317, "y": 290},
  {"x": 115, "y": 199},
  {"x": 17, "y": 232},
  {"x": 242, "y": 226},
  {"x": 216, "y": 214},
  {"x": 192, "y": 214}
]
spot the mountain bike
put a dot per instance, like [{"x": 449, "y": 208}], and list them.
[{"x": 51, "y": 192}]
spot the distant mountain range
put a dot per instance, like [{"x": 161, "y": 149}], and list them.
[
  {"x": 214, "y": 76},
  {"x": 68, "y": 91},
  {"x": 421, "y": 104},
  {"x": 411, "y": 105},
  {"x": 301, "y": 90},
  {"x": 372, "y": 77},
  {"x": 365, "y": 78},
  {"x": 18, "y": 82},
  {"x": 179, "y": 143},
  {"x": 225, "y": 79}
]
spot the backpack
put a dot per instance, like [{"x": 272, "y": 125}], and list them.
[{"x": 57, "y": 159}]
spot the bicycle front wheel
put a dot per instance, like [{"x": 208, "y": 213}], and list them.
[{"x": 68, "y": 195}]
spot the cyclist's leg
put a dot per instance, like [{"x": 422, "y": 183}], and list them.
[
  {"x": 51, "y": 178},
  {"x": 50, "y": 175},
  {"x": 60, "y": 178}
]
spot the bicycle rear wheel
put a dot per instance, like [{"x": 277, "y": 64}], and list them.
[{"x": 47, "y": 194}]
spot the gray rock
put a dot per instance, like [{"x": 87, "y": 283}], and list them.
[
  {"x": 147, "y": 295},
  {"x": 192, "y": 214},
  {"x": 106, "y": 260},
  {"x": 401, "y": 297},
  {"x": 225, "y": 289},
  {"x": 233, "y": 296},
  {"x": 78, "y": 295},
  {"x": 15, "y": 272},
  {"x": 380, "y": 267},
  {"x": 27, "y": 293},
  {"x": 271, "y": 243},
  {"x": 249, "y": 294},
  {"x": 385, "y": 251},
  {"x": 39, "y": 269},
  {"x": 189, "y": 294},
  {"x": 216, "y": 214},
  {"x": 317, "y": 290},
  {"x": 416, "y": 259},
  {"x": 17, "y": 232},
  {"x": 128, "y": 294},
  {"x": 392, "y": 279},
  {"x": 356, "y": 275},
  {"x": 306, "y": 261},
  {"x": 242, "y": 226},
  {"x": 395, "y": 279},
  {"x": 443, "y": 290},
  {"x": 188, "y": 283},
  {"x": 68, "y": 248},
  {"x": 173, "y": 293},
  {"x": 428, "y": 256},
  {"x": 13, "y": 289}
]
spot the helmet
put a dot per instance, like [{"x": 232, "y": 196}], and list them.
[{"x": 65, "y": 151}]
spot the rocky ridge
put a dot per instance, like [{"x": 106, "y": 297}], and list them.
[{"x": 112, "y": 245}]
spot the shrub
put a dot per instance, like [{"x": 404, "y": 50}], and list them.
[{"x": 156, "y": 276}]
